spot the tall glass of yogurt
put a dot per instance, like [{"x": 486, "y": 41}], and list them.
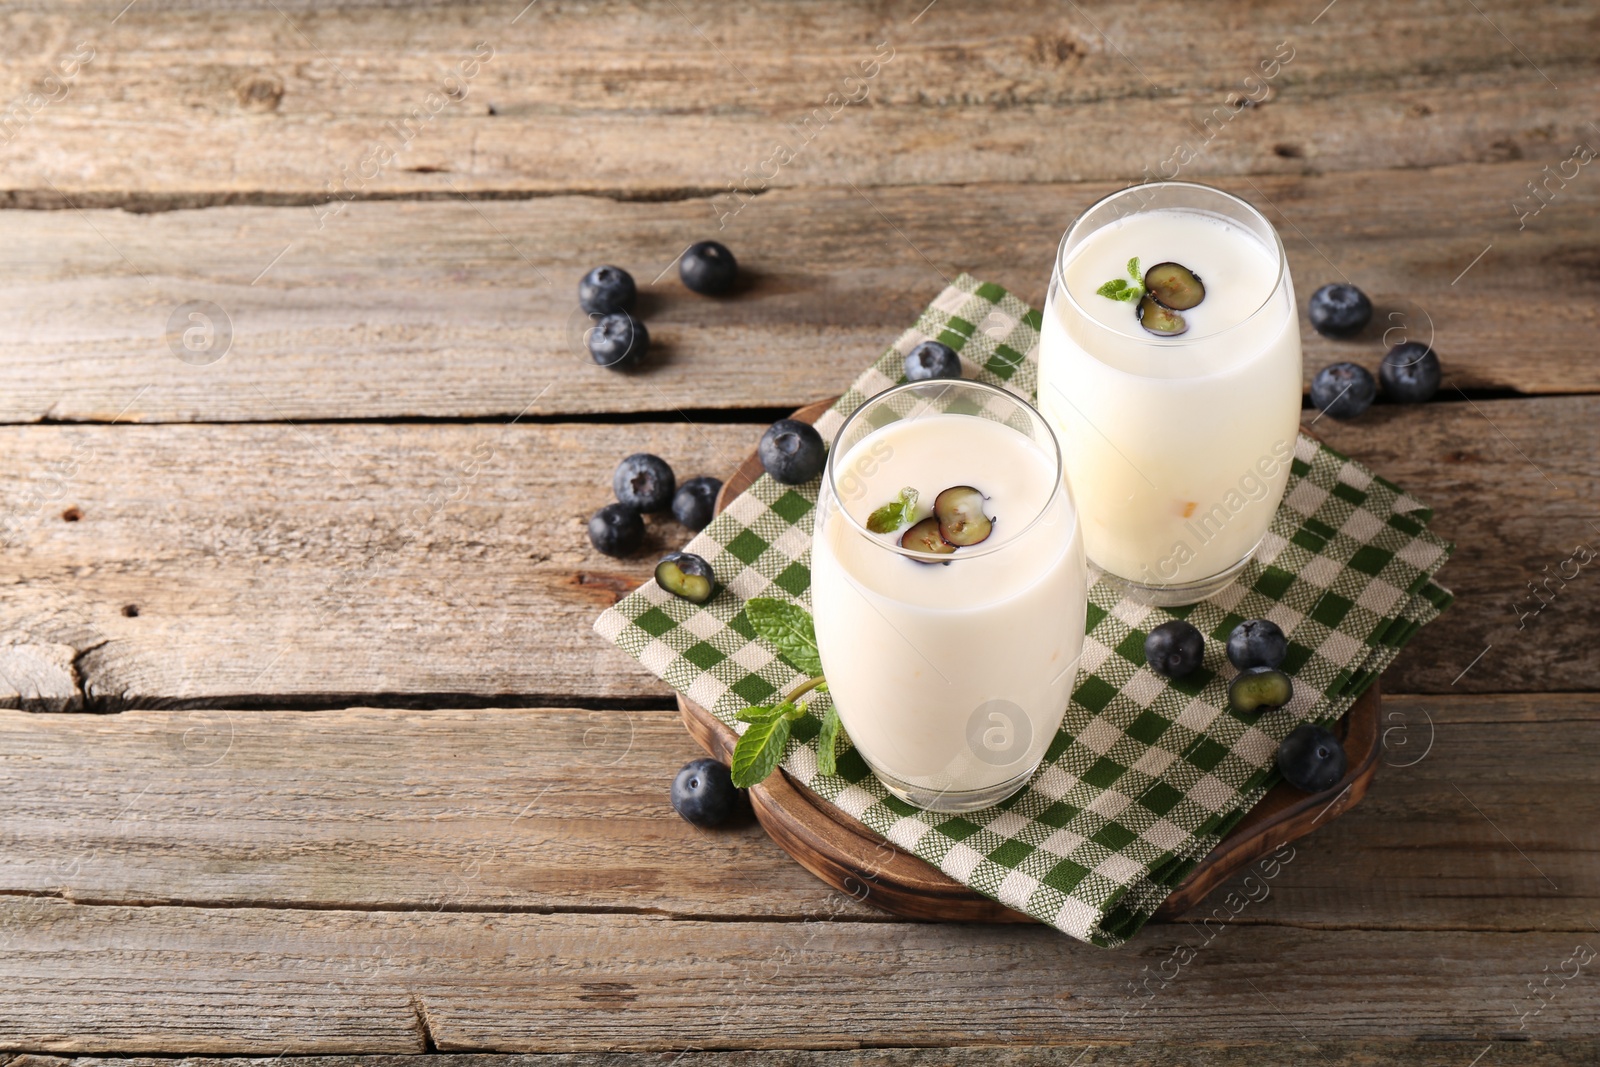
[
  {"x": 950, "y": 636},
  {"x": 1177, "y": 423}
]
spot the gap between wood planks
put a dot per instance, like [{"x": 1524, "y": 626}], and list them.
[{"x": 721, "y": 416}]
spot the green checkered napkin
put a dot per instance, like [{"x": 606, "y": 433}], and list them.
[{"x": 1146, "y": 775}]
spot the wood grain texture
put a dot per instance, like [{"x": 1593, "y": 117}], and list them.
[
  {"x": 456, "y": 309},
  {"x": 1364, "y": 1053},
  {"x": 1478, "y": 800},
  {"x": 219, "y": 980},
  {"x": 436, "y": 564},
  {"x": 1359, "y": 1053},
  {"x": 284, "y": 100}
]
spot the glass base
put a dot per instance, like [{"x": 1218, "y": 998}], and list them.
[
  {"x": 952, "y": 800},
  {"x": 1179, "y": 594}
]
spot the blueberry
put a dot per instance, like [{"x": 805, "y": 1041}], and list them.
[
  {"x": 703, "y": 793},
  {"x": 792, "y": 451},
  {"x": 1410, "y": 373},
  {"x": 1174, "y": 649},
  {"x": 1174, "y": 286},
  {"x": 616, "y": 529},
  {"x": 686, "y": 575},
  {"x": 1312, "y": 759},
  {"x": 1340, "y": 311},
  {"x": 1343, "y": 390},
  {"x": 695, "y": 503},
  {"x": 709, "y": 268},
  {"x": 618, "y": 340},
  {"x": 1258, "y": 689},
  {"x": 644, "y": 482},
  {"x": 607, "y": 289},
  {"x": 1257, "y": 643},
  {"x": 931, "y": 359}
]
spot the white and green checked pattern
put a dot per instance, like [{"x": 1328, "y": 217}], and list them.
[{"x": 1146, "y": 775}]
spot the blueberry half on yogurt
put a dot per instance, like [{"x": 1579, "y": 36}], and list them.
[
  {"x": 959, "y": 511},
  {"x": 924, "y": 536}
]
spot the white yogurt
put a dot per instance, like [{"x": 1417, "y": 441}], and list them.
[
  {"x": 950, "y": 679},
  {"x": 1177, "y": 449}
]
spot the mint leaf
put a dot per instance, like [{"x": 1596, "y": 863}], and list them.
[
  {"x": 758, "y": 751},
  {"x": 1118, "y": 289},
  {"x": 895, "y": 514},
  {"x": 827, "y": 761},
  {"x": 786, "y": 627},
  {"x": 777, "y": 711}
]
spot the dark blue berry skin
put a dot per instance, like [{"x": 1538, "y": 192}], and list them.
[
  {"x": 607, "y": 289},
  {"x": 695, "y": 503},
  {"x": 792, "y": 451},
  {"x": 616, "y": 530},
  {"x": 1257, "y": 643},
  {"x": 930, "y": 360},
  {"x": 704, "y": 794},
  {"x": 1312, "y": 759},
  {"x": 644, "y": 482},
  {"x": 709, "y": 268},
  {"x": 1343, "y": 390},
  {"x": 1340, "y": 311},
  {"x": 618, "y": 341},
  {"x": 1174, "y": 649},
  {"x": 1410, "y": 373}
]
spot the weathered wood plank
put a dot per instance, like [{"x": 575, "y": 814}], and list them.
[
  {"x": 468, "y": 310},
  {"x": 217, "y": 980},
  {"x": 533, "y": 810},
  {"x": 435, "y": 564},
  {"x": 292, "y": 100},
  {"x": 1141, "y": 1054}
]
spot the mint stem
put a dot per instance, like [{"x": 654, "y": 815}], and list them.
[{"x": 803, "y": 688}]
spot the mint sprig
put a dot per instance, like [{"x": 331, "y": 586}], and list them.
[
  {"x": 895, "y": 514},
  {"x": 789, "y": 629},
  {"x": 1119, "y": 289}
]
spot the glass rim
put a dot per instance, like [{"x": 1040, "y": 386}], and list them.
[
  {"x": 1057, "y": 275},
  {"x": 1058, "y": 489}
]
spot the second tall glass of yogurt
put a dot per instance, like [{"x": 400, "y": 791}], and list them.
[
  {"x": 1176, "y": 394},
  {"x": 949, "y": 588}
]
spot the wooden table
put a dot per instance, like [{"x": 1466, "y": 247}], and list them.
[{"x": 313, "y": 751}]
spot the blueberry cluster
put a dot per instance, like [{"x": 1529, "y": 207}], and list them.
[
  {"x": 644, "y": 483},
  {"x": 618, "y": 340},
  {"x": 1410, "y": 371},
  {"x": 1310, "y": 758}
]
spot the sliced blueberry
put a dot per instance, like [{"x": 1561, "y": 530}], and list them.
[
  {"x": 1410, "y": 373},
  {"x": 1312, "y": 759},
  {"x": 695, "y": 503},
  {"x": 1257, "y": 643},
  {"x": 1258, "y": 689},
  {"x": 644, "y": 482},
  {"x": 1174, "y": 649},
  {"x": 618, "y": 341},
  {"x": 1340, "y": 310},
  {"x": 686, "y": 575},
  {"x": 930, "y": 360},
  {"x": 1343, "y": 390},
  {"x": 959, "y": 511},
  {"x": 1174, "y": 286},
  {"x": 709, "y": 268},
  {"x": 925, "y": 537},
  {"x": 1163, "y": 322},
  {"x": 792, "y": 451},
  {"x": 607, "y": 289},
  {"x": 704, "y": 793},
  {"x": 616, "y": 529}
]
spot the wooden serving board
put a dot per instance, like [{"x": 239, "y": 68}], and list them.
[{"x": 855, "y": 860}]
